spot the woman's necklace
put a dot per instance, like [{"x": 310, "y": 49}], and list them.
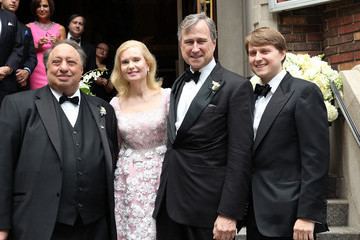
[{"x": 44, "y": 26}]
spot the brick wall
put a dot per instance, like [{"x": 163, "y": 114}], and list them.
[{"x": 331, "y": 29}]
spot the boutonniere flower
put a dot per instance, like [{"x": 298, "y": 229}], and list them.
[
  {"x": 215, "y": 86},
  {"x": 102, "y": 111}
]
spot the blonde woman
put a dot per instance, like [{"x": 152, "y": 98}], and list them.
[{"x": 141, "y": 108}]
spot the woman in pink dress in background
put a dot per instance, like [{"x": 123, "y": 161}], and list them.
[
  {"x": 45, "y": 33},
  {"x": 141, "y": 109}
]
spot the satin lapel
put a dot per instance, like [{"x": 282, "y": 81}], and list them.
[
  {"x": 45, "y": 106},
  {"x": 201, "y": 100},
  {"x": 174, "y": 99},
  {"x": 96, "y": 110},
  {"x": 274, "y": 107}
]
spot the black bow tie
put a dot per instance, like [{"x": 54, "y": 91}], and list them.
[
  {"x": 192, "y": 76},
  {"x": 77, "y": 40},
  {"x": 73, "y": 100},
  {"x": 262, "y": 90}
]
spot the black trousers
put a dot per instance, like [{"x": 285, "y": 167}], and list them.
[
  {"x": 167, "y": 229},
  {"x": 98, "y": 230}
]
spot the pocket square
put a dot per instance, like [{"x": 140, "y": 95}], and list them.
[
  {"x": 211, "y": 106},
  {"x": 10, "y": 24}
]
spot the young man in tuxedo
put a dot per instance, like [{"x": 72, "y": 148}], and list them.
[
  {"x": 204, "y": 184},
  {"x": 291, "y": 147},
  {"x": 58, "y": 157},
  {"x": 29, "y": 60},
  {"x": 11, "y": 52},
  {"x": 76, "y": 29}
]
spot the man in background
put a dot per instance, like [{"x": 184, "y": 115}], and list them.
[
  {"x": 29, "y": 60},
  {"x": 10, "y": 54},
  {"x": 76, "y": 29}
]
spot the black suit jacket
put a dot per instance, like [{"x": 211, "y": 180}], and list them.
[
  {"x": 290, "y": 159},
  {"x": 206, "y": 170},
  {"x": 29, "y": 56},
  {"x": 31, "y": 161},
  {"x": 11, "y": 50}
]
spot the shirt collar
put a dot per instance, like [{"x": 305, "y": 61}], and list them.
[
  {"x": 275, "y": 81},
  {"x": 57, "y": 94},
  {"x": 206, "y": 70}
]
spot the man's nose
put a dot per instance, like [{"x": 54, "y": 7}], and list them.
[{"x": 195, "y": 47}]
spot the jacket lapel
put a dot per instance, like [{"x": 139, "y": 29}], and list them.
[
  {"x": 201, "y": 100},
  {"x": 99, "y": 114},
  {"x": 174, "y": 99},
  {"x": 47, "y": 112},
  {"x": 272, "y": 110}
]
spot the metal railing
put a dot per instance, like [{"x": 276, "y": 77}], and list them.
[{"x": 345, "y": 112}]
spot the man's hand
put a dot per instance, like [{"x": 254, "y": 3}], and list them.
[
  {"x": 22, "y": 76},
  {"x": 224, "y": 228},
  {"x": 304, "y": 229},
  {"x": 4, "y": 71},
  {"x": 4, "y": 234}
]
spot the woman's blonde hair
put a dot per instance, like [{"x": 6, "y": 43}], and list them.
[{"x": 119, "y": 82}]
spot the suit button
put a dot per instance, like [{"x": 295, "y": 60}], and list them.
[
  {"x": 79, "y": 205},
  {"x": 74, "y": 132},
  {"x": 80, "y": 173},
  {"x": 79, "y": 159},
  {"x": 80, "y": 189}
]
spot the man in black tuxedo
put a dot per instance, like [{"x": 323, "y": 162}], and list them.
[
  {"x": 291, "y": 148},
  {"x": 204, "y": 184},
  {"x": 58, "y": 157},
  {"x": 29, "y": 60},
  {"x": 10, "y": 53},
  {"x": 76, "y": 29}
]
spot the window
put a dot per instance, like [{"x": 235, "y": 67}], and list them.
[{"x": 280, "y": 5}]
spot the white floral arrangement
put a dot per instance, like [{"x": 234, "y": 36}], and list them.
[
  {"x": 89, "y": 77},
  {"x": 316, "y": 70}
]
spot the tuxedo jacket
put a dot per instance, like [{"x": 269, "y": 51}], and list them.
[
  {"x": 31, "y": 161},
  {"x": 29, "y": 55},
  {"x": 206, "y": 169},
  {"x": 290, "y": 159},
  {"x": 11, "y": 50}
]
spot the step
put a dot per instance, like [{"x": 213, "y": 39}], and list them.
[
  {"x": 337, "y": 212},
  {"x": 335, "y": 233},
  {"x": 340, "y": 233}
]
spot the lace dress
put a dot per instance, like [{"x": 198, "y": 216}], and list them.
[{"x": 142, "y": 137}]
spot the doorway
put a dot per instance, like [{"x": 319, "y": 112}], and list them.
[{"x": 153, "y": 22}]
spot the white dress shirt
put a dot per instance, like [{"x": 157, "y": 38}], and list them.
[
  {"x": 189, "y": 92},
  {"x": 71, "y": 110},
  {"x": 262, "y": 102},
  {"x": 0, "y": 26}
]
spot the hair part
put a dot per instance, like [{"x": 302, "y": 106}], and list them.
[
  {"x": 119, "y": 82},
  {"x": 36, "y": 3},
  {"x": 192, "y": 19},
  {"x": 72, "y": 44},
  {"x": 265, "y": 36},
  {"x": 72, "y": 17}
]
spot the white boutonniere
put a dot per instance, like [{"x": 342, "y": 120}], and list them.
[
  {"x": 215, "y": 86},
  {"x": 102, "y": 111}
]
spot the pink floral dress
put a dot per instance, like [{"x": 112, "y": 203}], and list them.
[{"x": 142, "y": 137}]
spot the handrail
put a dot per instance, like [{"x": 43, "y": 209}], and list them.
[{"x": 345, "y": 112}]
